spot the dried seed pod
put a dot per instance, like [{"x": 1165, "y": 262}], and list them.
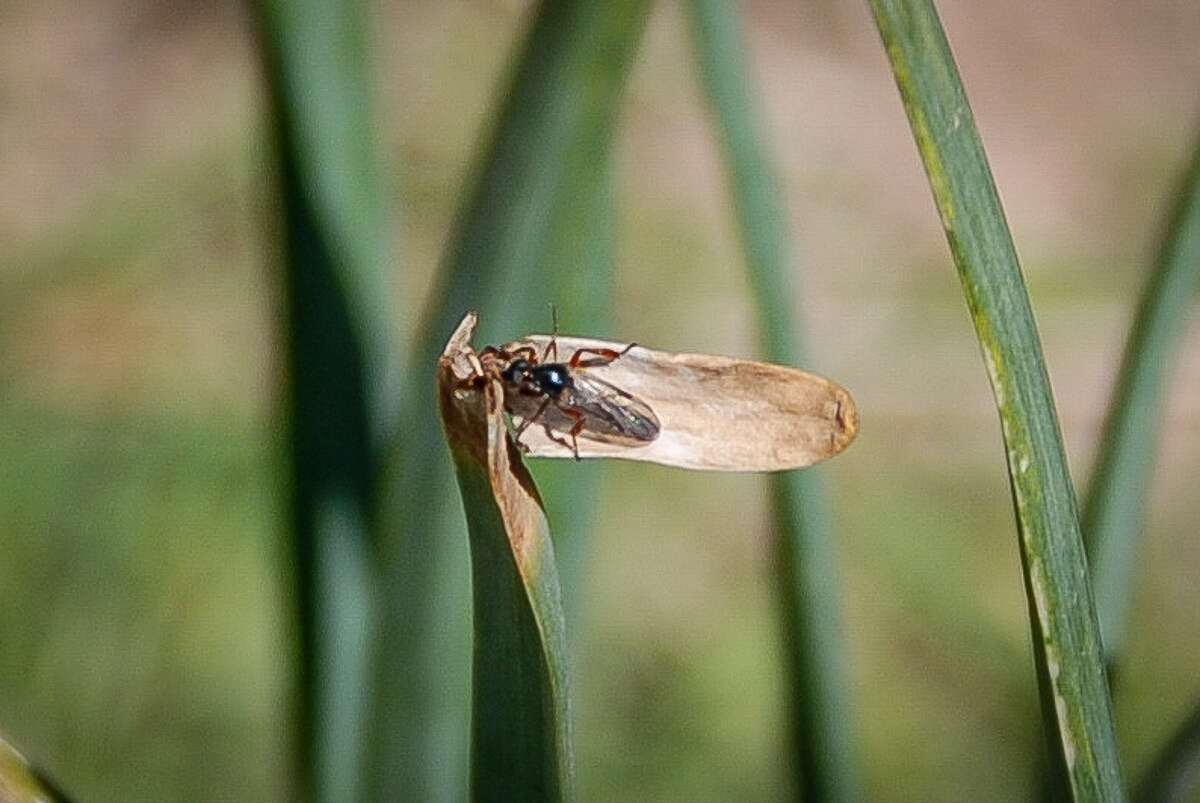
[{"x": 712, "y": 413}]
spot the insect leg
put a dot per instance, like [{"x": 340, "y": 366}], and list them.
[
  {"x": 549, "y": 432},
  {"x": 576, "y": 428},
  {"x": 525, "y": 424},
  {"x": 560, "y": 441},
  {"x": 603, "y": 356}
]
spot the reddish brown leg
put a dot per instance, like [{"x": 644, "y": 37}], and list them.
[
  {"x": 576, "y": 428},
  {"x": 561, "y": 441},
  {"x": 525, "y": 424},
  {"x": 551, "y": 348},
  {"x": 603, "y": 356}
]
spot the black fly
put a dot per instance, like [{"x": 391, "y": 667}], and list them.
[{"x": 564, "y": 400}]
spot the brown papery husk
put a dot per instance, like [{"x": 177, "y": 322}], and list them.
[
  {"x": 715, "y": 413},
  {"x": 473, "y": 418}
]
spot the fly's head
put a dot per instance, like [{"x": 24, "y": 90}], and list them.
[
  {"x": 520, "y": 372},
  {"x": 517, "y": 373}
]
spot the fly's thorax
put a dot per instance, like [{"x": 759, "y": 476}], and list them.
[{"x": 551, "y": 379}]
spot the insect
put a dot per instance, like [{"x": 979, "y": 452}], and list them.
[{"x": 565, "y": 400}]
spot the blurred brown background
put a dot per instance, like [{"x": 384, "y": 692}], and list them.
[{"x": 142, "y": 630}]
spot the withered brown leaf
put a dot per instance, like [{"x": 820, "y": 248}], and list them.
[{"x": 713, "y": 413}]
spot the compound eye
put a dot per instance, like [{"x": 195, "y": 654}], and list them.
[{"x": 515, "y": 371}]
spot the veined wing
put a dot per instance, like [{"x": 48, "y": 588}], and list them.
[{"x": 609, "y": 414}]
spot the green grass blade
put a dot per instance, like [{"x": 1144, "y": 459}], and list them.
[
  {"x": 806, "y": 561},
  {"x": 532, "y": 228},
  {"x": 520, "y": 723},
  {"x": 339, "y": 349},
  {"x": 1115, "y": 504},
  {"x": 1076, "y": 709},
  {"x": 543, "y": 179},
  {"x": 520, "y": 748}
]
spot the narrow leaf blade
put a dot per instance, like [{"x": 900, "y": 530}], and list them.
[
  {"x": 1116, "y": 500},
  {"x": 340, "y": 359},
  {"x": 520, "y": 737},
  {"x": 1076, "y": 709}
]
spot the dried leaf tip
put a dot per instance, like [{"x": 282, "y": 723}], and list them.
[
  {"x": 471, "y": 405},
  {"x": 462, "y": 403}
]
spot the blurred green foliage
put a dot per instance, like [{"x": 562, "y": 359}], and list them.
[
  {"x": 534, "y": 226},
  {"x": 341, "y": 362},
  {"x": 143, "y": 633},
  {"x": 808, "y": 577}
]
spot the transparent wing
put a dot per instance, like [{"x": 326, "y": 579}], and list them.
[{"x": 608, "y": 413}]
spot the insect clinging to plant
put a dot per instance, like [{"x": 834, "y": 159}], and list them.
[{"x": 565, "y": 399}]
